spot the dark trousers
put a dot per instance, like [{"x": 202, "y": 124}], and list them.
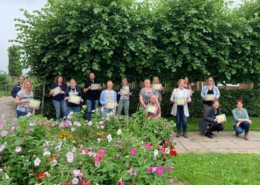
[{"x": 215, "y": 127}]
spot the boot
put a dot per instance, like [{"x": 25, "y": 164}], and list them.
[
  {"x": 208, "y": 135},
  {"x": 246, "y": 136},
  {"x": 178, "y": 134},
  {"x": 185, "y": 134}
]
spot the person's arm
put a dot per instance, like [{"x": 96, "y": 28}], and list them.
[
  {"x": 18, "y": 99},
  {"x": 13, "y": 92},
  {"x": 115, "y": 98},
  {"x": 87, "y": 87},
  {"x": 217, "y": 91},
  {"x": 158, "y": 113},
  {"x": 188, "y": 98},
  {"x": 141, "y": 98},
  {"x": 172, "y": 99},
  {"x": 202, "y": 93},
  {"x": 130, "y": 91},
  {"x": 66, "y": 95},
  {"x": 52, "y": 87},
  {"x": 208, "y": 116},
  {"x": 102, "y": 99},
  {"x": 80, "y": 94}
]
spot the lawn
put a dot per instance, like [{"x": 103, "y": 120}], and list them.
[
  {"x": 217, "y": 169},
  {"x": 4, "y": 93},
  {"x": 193, "y": 123}
]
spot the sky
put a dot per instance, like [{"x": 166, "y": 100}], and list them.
[{"x": 9, "y": 9}]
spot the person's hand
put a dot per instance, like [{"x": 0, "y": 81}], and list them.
[
  {"x": 238, "y": 123},
  {"x": 99, "y": 87},
  {"x": 130, "y": 93},
  {"x": 187, "y": 101},
  {"x": 25, "y": 101},
  {"x": 116, "y": 105},
  {"x": 66, "y": 98},
  {"x": 161, "y": 88},
  {"x": 81, "y": 100},
  {"x": 51, "y": 92},
  {"x": 145, "y": 106},
  {"x": 173, "y": 101},
  {"x": 62, "y": 92},
  {"x": 119, "y": 93},
  {"x": 104, "y": 104},
  {"x": 249, "y": 121},
  {"x": 215, "y": 120}
]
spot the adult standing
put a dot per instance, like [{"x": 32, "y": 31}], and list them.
[
  {"x": 92, "y": 95},
  {"x": 22, "y": 99},
  {"x": 187, "y": 85},
  {"x": 241, "y": 119},
  {"x": 209, "y": 90},
  {"x": 107, "y": 96},
  {"x": 18, "y": 86},
  {"x": 180, "y": 97},
  {"x": 58, "y": 89},
  {"x": 124, "y": 93},
  {"x": 73, "y": 90},
  {"x": 146, "y": 93},
  {"x": 158, "y": 92},
  {"x": 209, "y": 120}
]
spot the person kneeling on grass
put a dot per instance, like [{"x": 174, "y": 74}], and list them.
[
  {"x": 155, "y": 111},
  {"x": 241, "y": 119},
  {"x": 209, "y": 123}
]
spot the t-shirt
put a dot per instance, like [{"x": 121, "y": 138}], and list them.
[
  {"x": 59, "y": 97},
  {"x": 24, "y": 107},
  {"x": 146, "y": 95},
  {"x": 209, "y": 103},
  {"x": 76, "y": 91},
  {"x": 124, "y": 96},
  {"x": 110, "y": 95},
  {"x": 92, "y": 94}
]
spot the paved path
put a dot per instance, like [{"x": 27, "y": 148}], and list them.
[{"x": 222, "y": 142}]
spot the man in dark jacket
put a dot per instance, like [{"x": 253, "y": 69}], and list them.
[{"x": 17, "y": 87}]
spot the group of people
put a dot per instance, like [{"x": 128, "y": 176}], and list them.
[{"x": 67, "y": 98}]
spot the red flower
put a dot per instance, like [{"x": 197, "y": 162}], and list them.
[
  {"x": 173, "y": 152},
  {"x": 40, "y": 176}
]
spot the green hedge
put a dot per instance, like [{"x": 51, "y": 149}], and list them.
[{"x": 227, "y": 102}]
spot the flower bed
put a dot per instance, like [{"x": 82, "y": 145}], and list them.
[{"x": 109, "y": 150}]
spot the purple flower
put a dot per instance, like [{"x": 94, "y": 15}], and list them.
[
  {"x": 133, "y": 151},
  {"x": 4, "y": 133},
  {"x": 75, "y": 180},
  {"x": 37, "y": 162},
  {"x": 118, "y": 143},
  {"x": 159, "y": 170},
  {"x": 69, "y": 154},
  {"x": 147, "y": 146},
  {"x": 169, "y": 168},
  {"x": 150, "y": 169},
  {"x": 117, "y": 157},
  {"x": 18, "y": 149}
]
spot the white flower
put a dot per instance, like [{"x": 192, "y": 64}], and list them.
[
  {"x": 93, "y": 111},
  {"x": 101, "y": 122},
  {"x": 83, "y": 152},
  {"x": 45, "y": 149},
  {"x": 109, "y": 138},
  {"x": 1, "y": 170},
  {"x": 155, "y": 153},
  {"x": 58, "y": 148},
  {"x": 84, "y": 106},
  {"x": 54, "y": 162},
  {"x": 7, "y": 177},
  {"x": 107, "y": 118},
  {"x": 47, "y": 153},
  {"x": 18, "y": 149},
  {"x": 37, "y": 162},
  {"x": 98, "y": 140},
  {"x": 167, "y": 150},
  {"x": 61, "y": 125},
  {"x": 2, "y": 147},
  {"x": 47, "y": 174},
  {"x": 76, "y": 123},
  {"x": 53, "y": 124},
  {"x": 89, "y": 123},
  {"x": 70, "y": 159},
  {"x": 31, "y": 124},
  {"x": 119, "y": 132},
  {"x": 75, "y": 180},
  {"x": 74, "y": 149},
  {"x": 142, "y": 143},
  {"x": 72, "y": 129},
  {"x": 69, "y": 154},
  {"x": 97, "y": 165},
  {"x": 76, "y": 173},
  {"x": 102, "y": 127}
]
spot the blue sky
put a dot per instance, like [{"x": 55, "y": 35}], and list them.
[{"x": 9, "y": 9}]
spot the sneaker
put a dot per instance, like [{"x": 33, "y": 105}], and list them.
[
  {"x": 208, "y": 135},
  {"x": 185, "y": 135},
  {"x": 178, "y": 134}
]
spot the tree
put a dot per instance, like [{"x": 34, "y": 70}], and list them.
[{"x": 14, "y": 65}]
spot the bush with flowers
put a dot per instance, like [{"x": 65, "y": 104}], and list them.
[{"x": 107, "y": 150}]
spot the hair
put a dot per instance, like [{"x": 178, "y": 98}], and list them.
[
  {"x": 63, "y": 80},
  {"x": 73, "y": 80},
  {"x": 22, "y": 77},
  {"x": 214, "y": 101},
  {"x": 239, "y": 101},
  {"x": 91, "y": 73},
  {"x": 109, "y": 81},
  {"x": 156, "y": 77},
  {"x": 125, "y": 80},
  {"x": 212, "y": 79},
  {"x": 147, "y": 80},
  {"x": 25, "y": 82},
  {"x": 180, "y": 80}
]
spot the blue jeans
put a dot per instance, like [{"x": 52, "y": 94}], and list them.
[
  {"x": 181, "y": 118},
  {"x": 244, "y": 125},
  {"x": 75, "y": 109},
  {"x": 91, "y": 105},
  {"x": 60, "y": 105},
  {"x": 20, "y": 113}
]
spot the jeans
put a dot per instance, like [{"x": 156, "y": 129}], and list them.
[
  {"x": 91, "y": 105},
  {"x": 215, "y": 127},
  {"x": 60, "y": 106},
  {"x": 123, "y": 103},
  {"x": 20, "y": 113},
  {"x": 75, "y": 109},
  {"x": 180, "y": 117},
  {"x": 244, "y": 125}
]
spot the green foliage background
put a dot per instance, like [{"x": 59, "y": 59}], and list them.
[
  {"x": 14, "y": 64},
  {"x": 118, "y": 38}
]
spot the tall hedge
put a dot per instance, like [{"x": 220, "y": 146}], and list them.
[{"x": 227, "y": 102}]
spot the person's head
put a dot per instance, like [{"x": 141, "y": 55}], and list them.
[
  {"x": 21, "y": 80},
  {"x": 124, "y": 81},
  {"x": 91, "y": 76},
  {"x": 147, "y": 83},
  {"x": 210, "y": 81},
  {"x": 156, "y": 80},
  {"x": 239, "y": 103},
  {"x": 186, "y": 80},
  {"x": 73, "y": 83},
  {"x": 180, "y": 83},
  {"x": 59, "y": 79},
  {"x": 109, "y": 84},
  {"x": 153, "y": 99},
  {"x": 27, "y": 85},
  {"x": 215, "y": 104}
]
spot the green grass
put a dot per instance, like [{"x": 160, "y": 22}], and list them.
[
  {"x": 217, "y": 169},
  {"x": 228, "y": 126},
  {"x": 4, "y": 93}
]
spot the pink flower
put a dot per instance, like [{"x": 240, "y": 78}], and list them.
[
  {"x": 147, "y": 146},
  {"x": 117, "y": 157},
  {"x": 48, "y": 123},
  {"x": 171, "y": 181},
  {"x": 105, "y": 123},
  {"x": 169, "y": 168},
  {"x": 67, "y": 123},
  {"x": 150, "y": 169},
  {"x": 118, "y": 143},
  {"x": 4, "y": 133},
  {"x": 40, "y": 123},
  {"x": 120, "y": 182},
  {"x": 166, "y": 124},
  {"x": 159, "y": 170},
  {"x": 27, "y": 131},
  {"x": 89, "y": 123},
  {"x": 133, "y": 151}
]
